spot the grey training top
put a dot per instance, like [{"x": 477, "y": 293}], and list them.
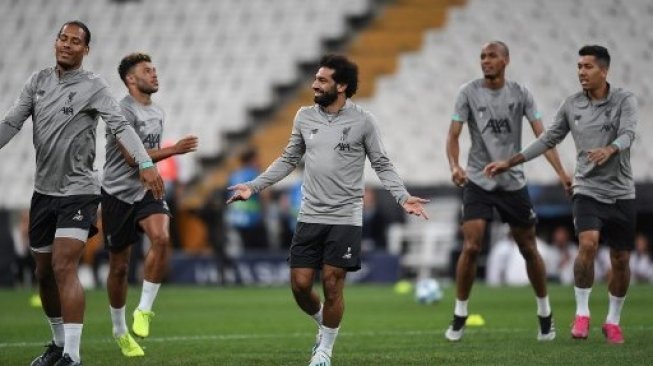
[
  {"x": 335, "y": 147},
  {"x": 495, "y": 119},
  {"x": 121, "y": 180},
  {"x": 595, "y": 124},
  {"x": 65, "y": 113}
]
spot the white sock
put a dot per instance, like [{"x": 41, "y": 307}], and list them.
[
  {"x": 73, "y": 339},
  {"x": 148, "y": 294},
  {"x": 328, "y": 339},
  {"x": 614, "y": 309},
  {"x": 118, "y": 320},
  {"x": 461, "y": 308},
  {"x": 318, "y": 316},
  {"x": 582, "y": 300},
  {"x": 58, "y": 335},
  {"x": 543, "y": 306}
]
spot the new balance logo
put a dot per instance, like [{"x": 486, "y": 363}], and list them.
[
  {"x": 68, "y": 111},
  {"x": 78, "y": 216},
  {"x": 348, "y": 254},
  {"x": 608, "y": 127},
  {"x": 498, "y": 126}
]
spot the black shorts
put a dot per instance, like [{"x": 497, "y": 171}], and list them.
[
  {"x": 336, "y": 245},
  {"x": 617, "y": 222},
  {"x": 61, "y": 217},
  {"x": 515, "y": 207},
  {"x": 120, "y": 219}
]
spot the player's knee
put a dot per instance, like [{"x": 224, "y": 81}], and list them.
[
  {"x": 64, "y": 268},
  {"x": 620, "y": 260},
  {"x": 119, "y": 270},
  {"x": 587, "y": 247},
  {"x": 332, "y": 287},
  {"x": 301, "y": 285},
  {"x": 472, "y": 247},
  {"x": 160, "y": 240}
]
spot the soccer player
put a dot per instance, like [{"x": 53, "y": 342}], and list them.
[
  {"x": 127, "y": 208},
  {"x": 65, "y": 102},
  {"x": 334, "y": 136},
  {"x": 602, "y": 121},
  {"x": 493, "y": 108}
]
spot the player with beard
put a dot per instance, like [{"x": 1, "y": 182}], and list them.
[
  {"x": 334, "y": 136},
  {"x": 493, "y": 108},
  {"x": 65, "y": 102},
  {"x": 128, "y": 209}
]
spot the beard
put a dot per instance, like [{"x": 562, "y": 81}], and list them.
[
  {"x": 146, "y": 88},
  {"x": 327, "y": 98}
]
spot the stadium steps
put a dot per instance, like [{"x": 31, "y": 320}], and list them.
[{"x": 398, "y": 28}]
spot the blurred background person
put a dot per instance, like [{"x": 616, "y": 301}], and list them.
[
  {"x": 561, "y": 255},
  {"x": 248, "y": 217},
  {"x": 641, "y": 264}
]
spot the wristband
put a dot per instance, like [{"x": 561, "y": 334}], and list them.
[{"x": 145, "y": 165}]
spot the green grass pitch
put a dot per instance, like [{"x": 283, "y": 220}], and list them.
[{"x": 263, "y": 326}]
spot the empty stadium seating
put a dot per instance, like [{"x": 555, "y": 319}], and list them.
[
  {"x": 216, "y": 60},
  {"x": 415, "y": 104}
]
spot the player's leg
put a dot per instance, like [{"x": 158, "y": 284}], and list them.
[
  {"x": 156, "y": 227},
  {"x": 67, "y": 251},
  {"x": 306, "y": 253},
  {"x": 525, "y": 238},
  {"x": 477, "y": 210},
  {"x": 117, "y": 291},
  {"x": 49, "y": 293},
  {"x": 119, "y": 229},
  {"x": 620, "y": 235},
  {"x": 588, "y": 225},
  {"x": 617, "y": 287},
  {"x": 473, "y": 235},
  {"x": 333, "y": 283},
  {"x": 588, "y": 244},
  {"x": 342, "y": 249},
  {"x": 42, "y": 226}
]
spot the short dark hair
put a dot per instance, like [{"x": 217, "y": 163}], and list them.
[
  {"x": 503, "y": 45},
  {"x": 87, "y": 32},
  {"x": 345, "y": 72},
  {"x": 600, "y": 53},
  {"x": 129, "y": 61}
]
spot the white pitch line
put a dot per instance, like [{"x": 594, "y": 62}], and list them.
[{"x": 218, "y": 337}]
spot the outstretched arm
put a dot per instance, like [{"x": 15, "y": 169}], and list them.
[
  {"x": 278, "y": 170},
  {"x": 18, "y": 113},
  {"x": 183, "y": 146},
  {"x": 553, "y": 158},
  {"x": 550, "y": 138}
]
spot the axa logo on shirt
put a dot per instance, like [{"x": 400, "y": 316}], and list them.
[
  {"x": 152, "y": 140},
  {"x": 498, "y": 126},
  {"x": 608, "y": 127}
]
